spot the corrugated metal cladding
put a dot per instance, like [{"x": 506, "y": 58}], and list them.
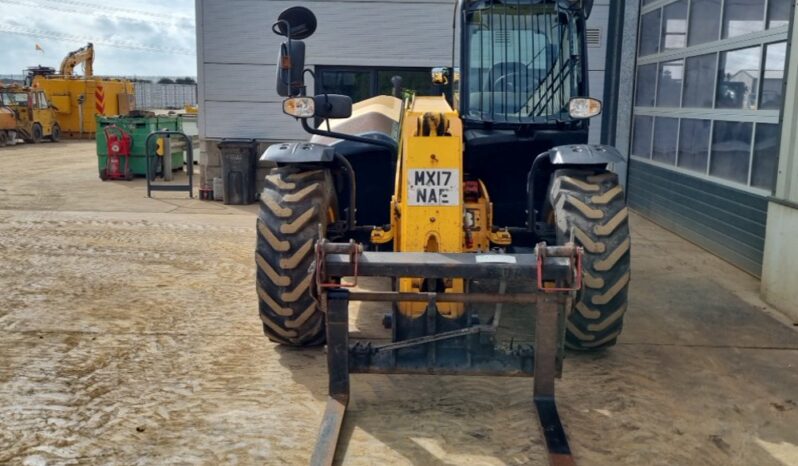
[
  {"x": 237, "y": 53},
  {"x": 152, "y": 96},
  {"x": 726, "y": 221}
]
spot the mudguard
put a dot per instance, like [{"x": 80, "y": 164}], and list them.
[
  {"x": 298, "y": 152},
  {"x": 585, "y": 154},
  {"x": 570, "y": 155}
]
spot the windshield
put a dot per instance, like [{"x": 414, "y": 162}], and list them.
[
  {"x": 521, "y": 61},
  {"x": 14, "y": 98}
]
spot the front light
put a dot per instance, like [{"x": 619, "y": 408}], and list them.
[
  {"x": 584, "y": 107},
  {"x": 299, "y": 107}
]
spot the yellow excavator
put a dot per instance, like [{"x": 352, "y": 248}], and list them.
[
  {"x": 83, "y": 55},
  {"x": 490, "y": 182},
  {"x": 79, "y": 99}
]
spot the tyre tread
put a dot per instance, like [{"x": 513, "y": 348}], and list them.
[
  {"x": 590, "y": 204},
  {"x": 293, "y": 205}
]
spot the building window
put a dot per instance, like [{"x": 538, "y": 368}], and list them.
[
  {"x": 649, "y": 33},
  {"x": 731, "y": 151},
  {"x": 773, "y": 76},
  {"x": 664, "y": 149},
  {"x": 674, "y": 25},
  {"x": 778, "y": 13},
  {"x": 694, "y": 144},
  {"x": 699, "y": 71},
  {"x": 363, "y": 83},
  {"x": 641, "y": 136},
  {"x": 704, "y": 21},
  {"x": 743, "y": 17},
  {"x": 738, "y": 79},
  {"x": 709, "y": 89},
  {"x": 766, "y": 156},
  {"x": 646, "y": 85},
  {"x": 669, "y": 85},
  {"x": 355, "y": 84}
]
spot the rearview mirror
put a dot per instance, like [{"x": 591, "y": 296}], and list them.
[
  {"x": 291, "y": 68},
  {"x": 296, "y": 23}
]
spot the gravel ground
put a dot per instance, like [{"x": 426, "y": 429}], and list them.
[{"x": 129, "y": 335}]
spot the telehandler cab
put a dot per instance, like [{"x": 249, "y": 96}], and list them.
[{"x": 491, "y": 180}]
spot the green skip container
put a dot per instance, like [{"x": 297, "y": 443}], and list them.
[{"x": 138, "y": 128}]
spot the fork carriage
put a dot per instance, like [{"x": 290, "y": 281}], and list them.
[{"x": 469, "y": 350}]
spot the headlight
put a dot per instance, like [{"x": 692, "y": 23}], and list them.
[
  {"x": 299, "y": 107},
  {"x": 584, "y": 107}
]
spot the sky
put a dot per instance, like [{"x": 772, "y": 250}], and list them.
[{"x": 131, "y": 38}]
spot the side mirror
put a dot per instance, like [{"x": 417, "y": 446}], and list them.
[
  {"x": 290, "y": 68},
  {"x": 296, "y": 23},
  {"x": 333, "y": 106}
]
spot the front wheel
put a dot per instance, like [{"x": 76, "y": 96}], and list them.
[
  {"x": 590, "y": 204},
  {"x": 36, "y": 134},
  {"x": 295, "y": 202}
]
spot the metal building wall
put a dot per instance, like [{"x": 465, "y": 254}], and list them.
[
  {"x": 153, "y": 96},
  {"x": 726, "y": 221},
  {"x": 237, "y": 52}
]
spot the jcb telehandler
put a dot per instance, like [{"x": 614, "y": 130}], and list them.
[{"x": 492, "y": 179}]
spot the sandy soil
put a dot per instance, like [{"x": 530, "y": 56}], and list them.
[{"x": 129, "y": 335}]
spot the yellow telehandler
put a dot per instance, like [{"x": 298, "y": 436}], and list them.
[{"x": 491, "y": 180}]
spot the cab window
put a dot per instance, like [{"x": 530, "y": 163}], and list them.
[{"x": 42, "y": 100}]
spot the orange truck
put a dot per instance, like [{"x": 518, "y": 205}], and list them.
[{"x": 8, "y": 126}]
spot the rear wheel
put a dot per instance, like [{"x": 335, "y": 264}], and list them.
[
  {"x": 292, "y": 206},
  {"x": 3, "y": 138},
  {"x": 55, "y": 133},
  {"x": 591, "y": 204}
]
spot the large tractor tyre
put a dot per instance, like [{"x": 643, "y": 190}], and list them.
[
  {"x": 592, "y": 205},
  {"x": 36, "y": 133},
  {"x": 3, "y": 138},
  {"x": 293, "y": 205},
  {"x": 55, "y": 133}
]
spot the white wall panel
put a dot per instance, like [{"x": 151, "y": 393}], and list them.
[
  {"x": 255, "y": 120},
  {"x": 381, "y": 33},
  {"x": 237, "y": 52}
]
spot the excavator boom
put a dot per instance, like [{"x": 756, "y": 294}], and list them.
[{"x": 83, "y": 55}]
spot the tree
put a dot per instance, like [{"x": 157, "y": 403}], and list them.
[
  {"x": 186, "y": 80},
  {"x": 165, "y": 81}
]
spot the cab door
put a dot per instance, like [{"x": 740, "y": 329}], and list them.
[{"x": 43, "y": 114}]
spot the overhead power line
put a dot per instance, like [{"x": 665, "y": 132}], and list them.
[
  {"x": 106, "y": 7},
  {"x": 111, "y": 43},
  {"x": 99, "y": 13}
]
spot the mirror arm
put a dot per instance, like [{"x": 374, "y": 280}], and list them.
[{"x": 348, "y": 137}]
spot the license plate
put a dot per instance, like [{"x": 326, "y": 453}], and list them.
[{"x": 433, "y": 187}]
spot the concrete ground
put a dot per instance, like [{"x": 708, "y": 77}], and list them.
[{"x": 129, "y": 335}]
